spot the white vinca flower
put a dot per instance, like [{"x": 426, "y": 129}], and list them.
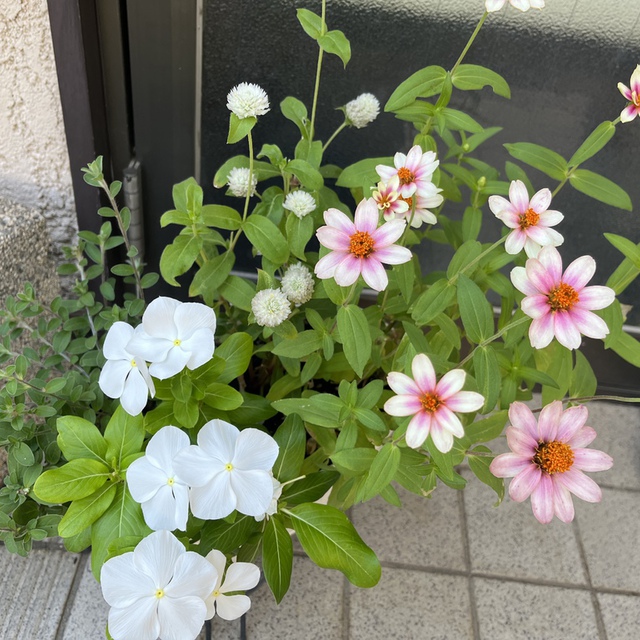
[
  {"x": 154, "y": 483},
  {"x": 300, "y": 203},
  {"x": 248, "y": 100},
  {"x": 227, "y": 470},
  {"x": 238, "y": 182},
  {"x": 273, "y": 507},
  {"x": 270, "y": 307},
  {"x": 297, "y": 284},
  {"x": 175, "y": 334},
  {"x": 158, "y": 590},
  {"x": 241, "y": 576},
  {"x": 363, "y": 110},
  {"x": 523, "y": 5},
  {"x": 125, "y": 375}
]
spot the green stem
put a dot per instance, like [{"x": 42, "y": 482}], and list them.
[
  {"x": 333, "y": 136},
  {"x": 477, "y": 259},
  {"x": 316, "y": 88},
  {"x": 238, "y": 233},
  {"x": 471, "y": 39}
]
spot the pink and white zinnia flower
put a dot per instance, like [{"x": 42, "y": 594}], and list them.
[
  {"x": 431, "y": 403},
  {"x": 388, "y": 199},
  {"x": 561, "y": 303},
  {"x": 523, "y": 5},
  {"x": 422, "y": 201},
  {"x": 414, "y": 171},
  {"x": 529, "y": 219},
  {"x": 548, "y": 459},
  {"x": 632, "y": 94},
  {"x": 360, "y": 247}
]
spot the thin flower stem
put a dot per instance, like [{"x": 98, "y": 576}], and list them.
[
  {"x": 478, "y": 258},
  {"x": 333, "y": 136},
  {"x": 316, "y": 88},
  {"x": 238, "y": 233},
  {"x": 471, "y": 39}
]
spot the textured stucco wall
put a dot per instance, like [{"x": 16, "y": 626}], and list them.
[{"x": 34, "y": 164}]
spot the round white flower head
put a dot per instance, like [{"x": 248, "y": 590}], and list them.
[
  {"x": 125, "y": 375},
  {"x": 158, "y": 590},
  {"x": 175, "y": 334},
  {"x": 297, "y": 284},
  {"x": 241, "y": 576},
  {"x": 300, "y": 203},
  {"x": 248, "y": 100},
  {"x": 238, "y": 182},
  {"x": 228, "y": 469},
  {"x": 270, "y": 307},
  {"x": 273, "y": 507},
  {"x": 363, "y": 110},
  {"x": 154, "y": 484}
]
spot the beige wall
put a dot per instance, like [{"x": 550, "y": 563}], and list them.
[{"x": 34, "y": 164}]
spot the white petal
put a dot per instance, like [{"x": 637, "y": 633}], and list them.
[
  {"x": 147, "y": 348},
  {"x": 114, "y": 344},
  {"x": 241, "y": 576},
  {"x": 164, "y": 446},
  {"x": 160, "y": 510},
  {"x": 193, "y": 575},
  {"x": 181, "y": 618},
  {"x": 175, "y": 362},
  {"x": 253, "y": 491},
  {"x": 139, "y": 621},
  {"x": 219, "y": 561},
  {"x": 156, "y": 556},
  {"x": 144, "y": 479},
  {"x": 136, "y": 393},
  {"x": 255, "y": 450},
  {"x": 201, "y": 346},
  {"x": 113, "y": 376},
  {"x": 218, "y": 439},
  {"x": 158, "y": 321},
  {"x": 192, "y": 316},
  {"x": 195, "y": 466},
  {"x": 232, "y": 607},
  {"x": 215, "y": 499},
  {"x": 123, "y": 583}
]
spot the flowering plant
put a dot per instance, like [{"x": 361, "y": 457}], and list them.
[{"x": 183, "y": 440}]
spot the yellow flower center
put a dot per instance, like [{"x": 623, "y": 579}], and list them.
[
  {"x": 177, "y": 343},
  {"x": 563, "y": 297},
  {"x": 406, "y": 176},
  {"x": 430, "y": 402},
  {"x": 216, "y": 593},
  {"x": 134, "y": 363},
  {"x": 361, "y": 245},
  {"x": 554, "y": 457},
  {"x": 159, "y": 593},
  {"x": 171, "y": 482},
  {"x": 529, "y": 219},
  {"x": 228, "y": 466}
]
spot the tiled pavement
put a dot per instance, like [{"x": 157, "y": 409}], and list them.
[{"x": 454, "y": 568}]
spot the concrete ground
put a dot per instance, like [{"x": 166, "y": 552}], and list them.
[{"x": 454, "y": 568}]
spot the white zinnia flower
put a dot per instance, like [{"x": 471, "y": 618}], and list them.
[
  {"x": 176, "y": 334},
  {"x": 241, "y": 576},
  {"x": 270, "y": 307},
  {"x": 125, "y": 375},
  {"x": 297, "y": 284},
  {"x": 238, "y": 182},
  {"x": 273, "y": 507},
  {"x": 248, "y": 100},
  {"x": 363, "y": 110},
  {"x": 300, "y": 203},
  {"x": 158, "y": 590},
  {"x": 155, "y": 485},
  {"x": 227, "y": 470},
  {"x": 523, "y": 5}
]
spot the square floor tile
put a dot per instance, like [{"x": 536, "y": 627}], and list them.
[{"x": 621, "y": 615}]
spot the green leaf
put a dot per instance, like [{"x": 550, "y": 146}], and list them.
[
  {"x": 628, "y": 248},
  {"x": 277, "y": 557},
  {"x": 178, "y": 257},
  {"x": 337, "y": 43},
  {"x": 471, "y": 77},
  {"x": 73, "y": 481},
  {"x": 299, "y": 232},
  {"x": 355, "y": 336},
  {"x": 309, "y": 177},
  {"x": 310, "y": 488},
  {"x": 460, "y": 121},
  {"x": 294, "y": 110},
  {"x": 600, "y": 188},
  {"x": 382, "y": 471},
  {"x": 124, "y": 435},
  {"x": 236, "y": 351},
  {"x": 433, "y": 301},
  {"x": 627, "y": 347},
  {"x": 554, "y": 360},
  {"x": 239, "y": 128},
  {"x": 267, "y": 239},
  {"x": 444, "y": 461},
  {"x": 541, "y": 158},
  {"x": 595, "y": 141},
  {"x": 310, "y": 22},
  {"x": 215, "y": 215},
  {"x": 583, "y": 379},
  {"x": 291, "y": 437},
  {"x": 238, "y": 292},
  {"x": 488, "y": 428},
  {"x": 362, "y": 173},
  {"x": 159, "y": 417},
  {"x": 79, "y": 438},
  {"x": 331, "y": 541},
  {"x": 475, "y": 310},
  {"x": 302, "y": 345},
  {"x": 23, "y": 454},
  {"x": 466, "y": 253},
  {"x": 405, "y": 276},
  {"x": 227, "y": 536},
  {"x": 175, "y": 217},
  {"x": 487, "y": 370},
  {"x": 181, "y": 387},
  {"x": 83, "y": 513},
  {"x": 424, "y": 83},
  {"x": 211, "y": 275},
  {"x": 322, "y": 409},
  {"x": 480, "y": 467},
  {"x": 222, "y": 397},
  {"x": 355, "y": 462}
]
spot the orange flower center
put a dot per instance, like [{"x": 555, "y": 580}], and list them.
[
  {"x": 554, "y": 457},
  {"x": 562, "y": 298},
  {"x": 361, "y": 244},
  {"x": 406, "y": 175},
  {"x": 430, "y": 402},
  {"x": 529, "y": 219}
]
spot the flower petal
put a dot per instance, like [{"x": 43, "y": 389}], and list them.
[
  {"x": 160, "y": 510},
  {"x": 214, "y": 500},
  {"x": 403, "y": 406},
  {"x": 423, "y": 373},
  {"x": 551, "y": 260},
  {"x": 333, "y": 238},
  {"x": 507, "y": 465},
  {"x": 580, "y": 485},
  {"x": 149, "y": 348},
  {"x": 562, "y": 503},
  {"x": 449, "y": 421},
  {"x": 156, "y": 556},
  {"x": 138, "y": 620},
  {"x": 241, "y": 576},
  {"x": 191, "y": 316},
  {"x": 326, "y": 266},
  {"x": 541, "y": 201},
  {"x": 465, "y": 401},
  {"x": 117, "y": 338},
  {"x": 550, "y": 218},
  {"x": 625, "y": 91},
  {"x": 193, "y": 575},
  {"x": 591, "y": 460},
  {"x": 158, "y": 321},
  {"x": 596, "y": 297},
  {"x": 136, "y": 393},
  {"x": 253, "y": 490},
  {"x": 196, "y": 467},
  {"x": 565, "y": 330},
  {"x": 572, "y": 420},
  {"x": 393, "y": 254},
  {"x": 403, "y": 384},
  {"x": 538, "y": 275},
  {"x": 366, "y": 216},
  {"x": 521, "y": 442},
  {"x": 113, "y": 376},
  {"x": 589, "y": 324},
  {"x": 629, "y": 113},
  {"x": 418, "y": 429},
  {"x": 522, "y": 417},
  {"x": 374, "y": 273},
  {"x": 521, "y": 282},
  {"x": 583, "y": 438},
  {"x": 175, "y": 362},
  {"x": 181, "y": 618},
  {"x": 515, "y": 242},
  {"x": 218, "y": 438},
  {"x": 232, "y": 607},
  {"x": 542, "y": 500},
  {"x": 524, "y": 483},
  {"x": 339, "y": 220},
  {"x": 549, "y": 420},
  {"x": 442, "y": 438},
  {"x": 519, "y": 196},
  {"x": 536, "y": 306},
  {"x": 219, "y": 562},
  {"x": 541, "y": 331},
  {"x": 450, "y": 383},
  {"x": 122, "y": 583},
  {"x": 200, "y": 346},
  {"x": 255, "y": 450},
  {"x": 144, "y": 479},
  {"x": 499, "y": 206},
  {"x": 579, "y": 272},
  {"x": 388, "y": 233},
  {"x": 348, "y": 271},
  {"x": 164, "y": 445}
]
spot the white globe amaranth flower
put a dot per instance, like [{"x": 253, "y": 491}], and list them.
[
  {"x": 300, "y": 203},
  {"x": 270, "y": 307},
  {"x": 238, "y": 182},
  {"x": 158, "y": 590},
  {"x": 248, "y": 100},
  {"x": 297, "y": 284},
  {"x": 363, "y": 110}
]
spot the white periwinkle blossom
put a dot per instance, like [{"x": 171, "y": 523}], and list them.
[
  {"x": 270, "y": 307},
  {"x": 241, "y": 576},
  {"x": 228, "y": 469},
  {"x": 175, "y": 334},
  {"x": 154, "y": 483},
  {"x": 158, "y": 590},
  {"x": 363, "y": 110},
  {"x": 273, "y": 507},
  {"x": 297, "y": 284},
  {"x": 248, "y": 100},
  {"x": 238, "y": 182},
  {"x": 125, "y": 375},
  {"x": 300, "y": 203}
]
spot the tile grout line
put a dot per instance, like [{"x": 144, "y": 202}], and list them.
[
  {"x": 71, "y": 595},
  {"x": 346, "y": 609},
  {"x": 613, "y": 487},
  {"x": 475, "y": 623},
  {"x": 602, "y": 632}
]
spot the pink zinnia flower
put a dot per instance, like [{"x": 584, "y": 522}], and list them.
[
  {"x": 632, "y": 95},
  {"x": 560, "y": 303},
  {"x": 360, "y": 247},
  {"x": 548, "y": 459},
  {"x": 388, "y": 199},
  {"x": 414, "y": 170},
  {"x": 422, "y": 201},
  {"x": 529, "y": 219},
  {"x": 431, "y": 403}
]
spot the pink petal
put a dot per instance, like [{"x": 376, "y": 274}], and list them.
[
  {"x": 423, "y": 373},
  {"x": 524, "y": 483},
  {"x": 522, "y": 417},
  {"x": 565, "y": 330},
  {"x": 629, "y": 113},
  {"x": 541, "y": 332},
  {"x": 591, "y": 460},
  {"x": 579, "y": 272},
  {"x": 580, "y": 485},
  {"x": 339, "y": 220},
  {"x": 366, "y": 218},
  {"x": 531, "y": 248},
  {"x": 374, "y": 273},
  {"x": 402, "y": 384},
  {"x": 536, "y": 306},
  {"x": 511, "y": 219},
  {"x": 450, "y": 383},
  {"x": 449, "y": 421},
  {"x": 348, "y": 270},
  {"x": 539, "y": 276},
  {"x": 552, "y": 262},
  {"x": 542, "y": 500},
  {"x": 399, "y": 160},
  {"x": 549, "y": 420},
  {"x": 572, "y": 420},
  {"x": 325, "y": 268},
  {"x": 589, "y": 324},
  {"x": 541, "y": 201},
  {"x": 442, "y": 438},
  {"x": 634, "y": 85},
  {"x": 403, "y": 406},
  {"x": 550, "y": 218},
  {"x": 388, "y": 233},
  {"x": 519, "y": 196},
  {"x": 521, "y": 281},
  {"x": 500, "y": 206},
  {"x": 393, "y": 254},
  {"x": 515, "y": 242},
  {"x": 418, "y": 429},
  {"x": 507, "y": 465},
  {"x": 583, "y": 438},
  {"x": 333, "y": 238},
  {"x": 386, "y": 173},
  {"x": 521, "y": 442},
  {"x": 595, "y": 297},
  {"x": 413, "y": 158},
  {"x": 408, "y": 190},
  {"x": 465, "y": 401},
  {"x": 625, "y": 91},
  {"x": 545, "y": 236},
  {"x": 562, "y": 502}
]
